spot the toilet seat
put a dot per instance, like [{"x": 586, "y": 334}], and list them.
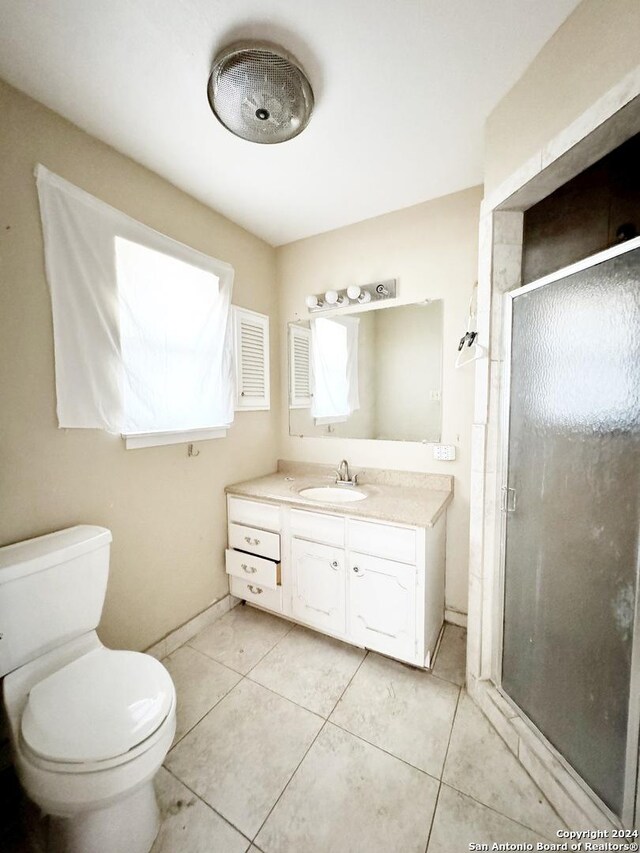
[{"x": 97, "y": 708}]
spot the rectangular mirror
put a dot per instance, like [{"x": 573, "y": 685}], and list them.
[{"x": 373, "y": 374}]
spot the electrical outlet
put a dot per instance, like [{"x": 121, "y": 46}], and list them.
[{"x": 444, "y": 452}]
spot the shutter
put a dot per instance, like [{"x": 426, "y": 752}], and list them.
[
  {"x": 251, "y": 340},
  {"x": 299, "y": 367}
]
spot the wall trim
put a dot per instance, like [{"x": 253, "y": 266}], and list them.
[{"x": 189, "y": 629}]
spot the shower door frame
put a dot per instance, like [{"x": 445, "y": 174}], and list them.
[{"x": 631, "y": 802}]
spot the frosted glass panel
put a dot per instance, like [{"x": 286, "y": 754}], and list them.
[{"x": 572, "y": 540}]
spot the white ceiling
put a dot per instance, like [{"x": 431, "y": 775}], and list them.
[{"x": 402, "y": 88}]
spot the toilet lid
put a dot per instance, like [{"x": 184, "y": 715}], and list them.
[{"x": 97, "y": 707}]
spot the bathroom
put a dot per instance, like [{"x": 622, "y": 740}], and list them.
[{"x": 312, "y": 716}]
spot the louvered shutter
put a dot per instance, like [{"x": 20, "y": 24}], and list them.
[
  {"x": 251, "y": 334},
  {"x": 299, "y": 367}
]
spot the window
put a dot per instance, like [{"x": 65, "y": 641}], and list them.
[{"x": 142, "y": 327}]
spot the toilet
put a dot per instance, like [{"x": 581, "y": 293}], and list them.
[{"x": 89, "y": 726}]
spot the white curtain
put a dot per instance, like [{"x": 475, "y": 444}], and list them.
[
  {"x": 141, "y": 323},
  {"x": 334, "y": 351}
]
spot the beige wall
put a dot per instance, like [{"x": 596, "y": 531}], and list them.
[
  {"x": 432, "y": 250},
  {"x": 166, "y": 510},
  {"x": 596, "y": 46}
]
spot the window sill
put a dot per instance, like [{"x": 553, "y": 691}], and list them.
[
  {"x": 133, "y": 441},
  {"x": 338, "y": 419}
]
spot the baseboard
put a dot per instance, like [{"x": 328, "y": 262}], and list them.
[
  {"x": 185, "y": 632},
  {"x": 456, "y": 617}
]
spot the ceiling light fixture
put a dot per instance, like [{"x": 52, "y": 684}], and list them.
[{"x": 259, "y": 92}]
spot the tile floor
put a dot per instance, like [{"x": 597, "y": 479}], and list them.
[{"x": 292, "y": 742}]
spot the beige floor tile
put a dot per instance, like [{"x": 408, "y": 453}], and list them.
[
  {"x": 309, "y": 669},
  {"x": 241, "y": 638},
  {"x": 460, "y": 821},
  {"x": 405, "y": 711},
  {"x": 242, "y": 754},
  {"x": 480, "y": 764},
  {"x": 190, "y": 826},
  {"x": 348, "y": 796},
  {"x": 451, "y": 660},
  {"x": 200, "y": 683}
]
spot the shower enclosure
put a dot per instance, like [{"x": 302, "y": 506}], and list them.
[{"x": 571, "y": 518}]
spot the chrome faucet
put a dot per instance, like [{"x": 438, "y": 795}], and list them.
[{"x": 342, "y": 475}]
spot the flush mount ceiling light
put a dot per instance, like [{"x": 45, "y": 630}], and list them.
[{"x": 259, "y": 92}]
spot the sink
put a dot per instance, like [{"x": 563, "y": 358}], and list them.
[{"x": 333, "y": 494}]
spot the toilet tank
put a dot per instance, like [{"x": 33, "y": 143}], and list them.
[{"x": 52, "y": 589}]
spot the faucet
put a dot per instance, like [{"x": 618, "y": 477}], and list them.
[{"x": 343, "y": 478}]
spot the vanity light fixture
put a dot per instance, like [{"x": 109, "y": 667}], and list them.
[{"x": 361, "y": 294}]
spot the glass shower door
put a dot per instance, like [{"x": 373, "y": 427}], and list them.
[{"x": 572, "y": 512}]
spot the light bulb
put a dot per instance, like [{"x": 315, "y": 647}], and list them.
[
  {"x": 364, "y": 297},
  {"x": 353, "y": 291},
  {"x": 312, "y": 301},
  {"x": 334, "y": 298}
]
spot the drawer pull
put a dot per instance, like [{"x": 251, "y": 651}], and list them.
[
  {"x": 250, "y": 570},
  {"x": 334, "y": 565},
  {"x": 256, "y": 590},
  {"x": 251, "y": 541}
]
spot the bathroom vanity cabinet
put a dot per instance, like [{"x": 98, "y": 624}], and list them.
[{"x": 365, "y": 581}]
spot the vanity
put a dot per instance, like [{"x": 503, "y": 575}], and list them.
[{"x": 363, "y": 563}]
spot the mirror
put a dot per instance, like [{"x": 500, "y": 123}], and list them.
[{"x": 373, "y": 374}]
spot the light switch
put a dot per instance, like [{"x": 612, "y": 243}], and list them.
[{"x": 444, "y": 452}]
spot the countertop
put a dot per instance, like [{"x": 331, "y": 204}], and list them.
[{"x": 400, "y": 497}]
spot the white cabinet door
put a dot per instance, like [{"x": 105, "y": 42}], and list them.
[
  {"x": 318, "y": 585},
  {"x": 382, "y": 606}
]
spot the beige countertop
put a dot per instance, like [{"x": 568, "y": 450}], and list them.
[{"x": 396, "y": 496}]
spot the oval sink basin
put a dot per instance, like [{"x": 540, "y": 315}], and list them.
[{"x": 333, "y": 494}]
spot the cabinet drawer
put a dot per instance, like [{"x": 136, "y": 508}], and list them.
[
  {"x": 255, "y": 570},
  {"x": 318, "y": 527},
  {"x": 254, "y": 514},
  {"x": 255, "y": 541},
  {"x": 270, "y": 599},
  {"x": 383, "y": 540}
]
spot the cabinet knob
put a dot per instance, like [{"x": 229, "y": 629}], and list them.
[
  {"x": 334, "y": 565},
  {"x": 254, "y": 589},
  {"x": 356, "y": 570}
]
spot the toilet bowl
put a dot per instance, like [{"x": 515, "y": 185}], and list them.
[{"x": 89, "y": 726}]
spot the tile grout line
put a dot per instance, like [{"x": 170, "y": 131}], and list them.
[
  {"x": 224, "y": 696},
  {"x": 286, "y": 698},
  {"x": 440, "y": 782},
  {"x": 320, "y": 730},
  {"x": 208, "y": 805},
  {"x": 495, "y": 811},
  {"x": 382, "y": 749}
]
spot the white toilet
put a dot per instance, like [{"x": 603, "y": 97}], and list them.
[{"x": 89, "y": 726}]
